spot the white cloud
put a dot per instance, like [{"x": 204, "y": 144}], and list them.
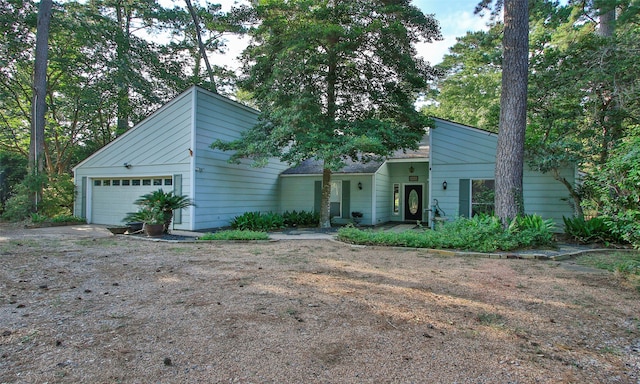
[{"x": 455, "y": 24}]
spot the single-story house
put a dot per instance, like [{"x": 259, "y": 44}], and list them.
[{"x": 450, "y": 175}]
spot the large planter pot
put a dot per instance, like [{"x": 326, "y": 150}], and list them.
[{"x": 153, "y": 230}]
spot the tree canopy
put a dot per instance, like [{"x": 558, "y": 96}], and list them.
[{"x": 334, "y": 80}]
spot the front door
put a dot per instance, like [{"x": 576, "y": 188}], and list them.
[{"x": 413, "y": 202}]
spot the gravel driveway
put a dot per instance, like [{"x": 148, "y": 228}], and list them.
[{"x": 79, "y": 305}]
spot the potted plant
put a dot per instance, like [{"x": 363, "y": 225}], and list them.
[
  {"x": 152, "y": 219},
  {"x": 165, "y": 202}
]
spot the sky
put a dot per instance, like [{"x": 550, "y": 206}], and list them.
[{"x": 455, "y": 17}]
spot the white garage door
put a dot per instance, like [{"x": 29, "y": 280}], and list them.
[{"x": 112, "y": 199}]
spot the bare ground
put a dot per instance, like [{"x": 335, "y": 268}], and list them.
[{"x": 118, "y": 309}]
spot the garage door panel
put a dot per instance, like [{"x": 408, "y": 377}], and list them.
[{"x": 110, "y": 203}]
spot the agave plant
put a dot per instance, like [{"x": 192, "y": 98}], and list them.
[{"x": 165, "y": 202}]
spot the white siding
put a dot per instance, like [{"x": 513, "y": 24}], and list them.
[
  {"x": 225, "y": 190},
  {"x": 460, "y": 152},
  {"x": 384, "y": 195},
  {"x": 547, "y": 197},
  {"x": 298, "y": 194},
  {"x": 157, "y": 146}
]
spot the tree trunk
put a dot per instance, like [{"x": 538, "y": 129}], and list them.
[
  {"x": 39, "y": 103},
  {"x": 513, "y": 111},
  {"x": 123, "y": 48},
  {"x": 325, "y": 208},
  {"x": 607, "y": 21},
  {"x": 201, "y": 47}
]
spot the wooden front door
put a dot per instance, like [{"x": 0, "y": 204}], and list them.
[{"x": 413, "y": 202}]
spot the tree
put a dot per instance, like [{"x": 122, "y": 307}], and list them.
[
  {"x": 39, "y": 104},
  {"x": 468, "y": 91},
  {"x": 334, "y": 80},
  {"x": 513, "y": 111}
]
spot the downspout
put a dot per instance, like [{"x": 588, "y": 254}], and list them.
[
  {"x": 374, "y": 204},
  {"x": 192, "y": 161},
  {"x": 429, "y": 188}
]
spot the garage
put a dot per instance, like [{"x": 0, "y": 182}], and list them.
[{"x": 112, "y": 198}]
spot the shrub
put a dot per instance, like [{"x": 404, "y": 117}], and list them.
[
  {"x": 301, "y": 219},
  {"x": 593, "y": 230},
  {"x": 68, "y": 219},
  {"x": 482, "y": 233},
  {"x": 257, "y": 221},
  {"x": 57, "y": 197}
]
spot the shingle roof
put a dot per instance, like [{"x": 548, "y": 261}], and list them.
[{"x": 314, "y": 167}]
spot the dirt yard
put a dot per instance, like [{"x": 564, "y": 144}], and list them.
[{"x": 121, "y": 310}]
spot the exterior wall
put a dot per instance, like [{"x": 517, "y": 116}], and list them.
[
  {"x": 383, "y": 195},
  {"x": 298, "y": 194},
  {"x": 460, "y": 152},
  {"x": 399, "y": 173},
  {"x": 225, "y": 190},
  {"x": 157, "y": 146},
  {"x": 547, "y": 197}
]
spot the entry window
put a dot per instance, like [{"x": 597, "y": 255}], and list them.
[
  {"x": 396, "y": 199},
  {"x": 336, "y": 199},
  {"x": 482, "y": 197}
]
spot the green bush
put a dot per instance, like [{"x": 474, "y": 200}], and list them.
[
  {"x": 257, "y": 221},
  {"x": 301, "y": 219},
  {"x": 593, "y": 230},
  {"x": 235, "y": 235},
  {"x": 68, "y": 219},
  {"x": 57, "y": 197},
  {"x": 614, "y": 186},
  {"x": 482, "y": 233}
]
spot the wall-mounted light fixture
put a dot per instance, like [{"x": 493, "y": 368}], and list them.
[
  {"x": 360, "y": 185},
  {"x": 444, "y": 185},
  {"x": 199, "y": 169},
  {"x": 127, "y": 165},
  {"x": 411, "y": 169}
]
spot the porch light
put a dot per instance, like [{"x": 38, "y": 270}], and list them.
[
  {"x": 127, "y": 165},
  {"x": 360, "y": 185},
  {"x": 444, "y": 185},
  {"x": 411, "y": 169}
]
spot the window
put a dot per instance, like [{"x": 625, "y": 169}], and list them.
[
  {"x": 396, "y": 199},
  {"x": 135, "y": 182},
  {"x": 126, "y": 182},
  {"x": 115, "y": 183},
  {"x": 157, "y": 181},
  {"x": 146, "y": 181},
  {"x": 97, "y": 183},
  {"x": 168, "y": 182},
  {"x": 482, "y": 197},
  {"x": 336, "y": 199},
  {"x": 106, "y": 183}
]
